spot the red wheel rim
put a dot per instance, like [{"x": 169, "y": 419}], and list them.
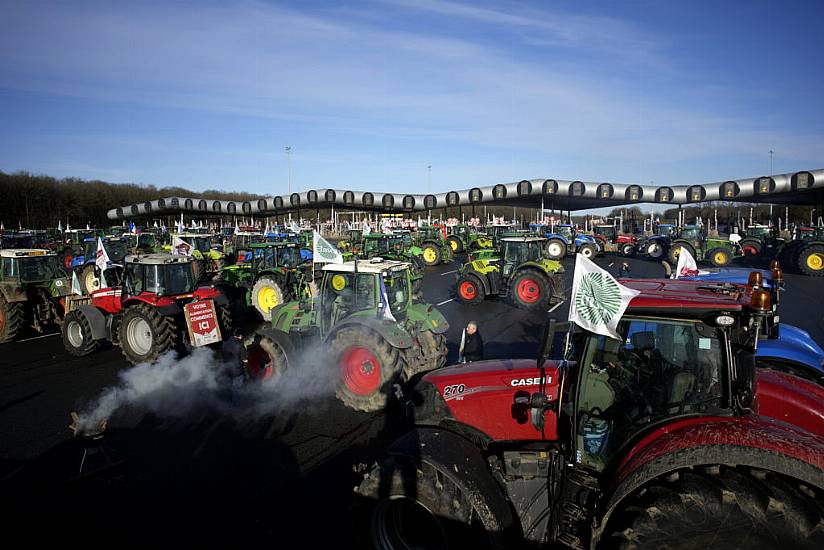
[
  {"x": 67, "y": 261},
  {"x": 529, "y": 291},
  {"x": 750, "y": 251},
  {"x": 258, "y": 365},
  {"x": 468, "y": 290},
  {"x": 360, "y": 371}
]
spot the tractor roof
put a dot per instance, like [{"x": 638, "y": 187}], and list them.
[
  {"x": 524, "y": 239},
  {"x": 687, "y": 296},
  {"x": 275, "y": 244},
  {"x": 375, "y": 265},
  {"x": 157, "y": 259},
  {"x": 192, "y": 235},
  {"x": 23, "y": 252}
]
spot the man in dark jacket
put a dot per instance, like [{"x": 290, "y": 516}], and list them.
[{"x": 472, "y": 345}]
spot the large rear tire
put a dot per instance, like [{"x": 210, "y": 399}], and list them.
[
  {"x": 720, "y": 257},
  {"x": 12, "y": 319},
  {"x": 144, "y": 334},
  {"x": 530, "y": 290},
  {"x": 368, "y": 366},
  {"x": 431, "y": 254},
  {"x": 77, "y": 334},
  {"x": 266, "y": 360},
  {"x": 675, "y": 251},
  {"x": 266, "y": 295},
  {"x": 89, "y": 282},
  {"x": 470, "y": 290},
  {"x": 811, "y": 260},
  {"x": 656, "y": 250},
  {"x": 455, "y": 244},
  {"x": 430, "y": 356},
  {"x": 722, "y": 508},
  {"x": 751, "y": 247},
  {"x": 627, "y": 250},
  {"x": 556, "y": 249}
]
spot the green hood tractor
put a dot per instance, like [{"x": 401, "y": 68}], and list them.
[
  {"x": 352, "y": 242},
  {"x": 521, "y": 271},
  {"x": 265, "y": 275},
  {"x": 432, "y": 243},
  {"x": 464, "y": 238},
  {"x": 806, "y": 251},
  {"x": 365, "y": 318},
  {"x": 719, "y": 252},
  {"x": 33, "y": 289}
]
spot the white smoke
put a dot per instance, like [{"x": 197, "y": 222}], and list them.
[{"x": 178, "y": 389}]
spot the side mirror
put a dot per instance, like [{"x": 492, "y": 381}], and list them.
[{"x": 545, "y": 348}]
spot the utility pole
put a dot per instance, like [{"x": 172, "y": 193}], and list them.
[
  {"x": 288, "y": 150},
  {"x": 771, "y": 174}
]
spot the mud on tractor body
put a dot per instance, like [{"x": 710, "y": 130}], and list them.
[
  {"x": 364, "y": 323},
  {"x": 520, "y": 271},
  {"x": 146, "y": 315},
  {"x": 668, "y": 437},
  {"x": 33, "y": 287}
]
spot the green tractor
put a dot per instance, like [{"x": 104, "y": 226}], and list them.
[
  {"x": 208, "y": 261},
  {"x": 719, "y": 252},
  {"x": 806, "y": 251},
  {"x": 521, "y": 271},
  {"x": 464, "y": 238},
  {"x": 265, "y": 275},
  {"x": 366, "y": 320},
  {"x": 34, "y": 287},
  {"x": 761, "y": 240},
  {"x": 352, "y": 242},
  {"x": 434, "y": 248}
]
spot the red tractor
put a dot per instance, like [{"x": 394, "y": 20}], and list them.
[
  {"x": 666, "y": 438},
  {"x": 612, "y": 241},
  {"x": 158, "y": 309}
]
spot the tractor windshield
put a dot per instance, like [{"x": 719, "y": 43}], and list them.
[
  {"x": 170, "y": 279},
  {"x": 355, "y": 235},
  {"x": 665, "y": 230},
  {"x": 289, "y": 256},
  {"x": 36, "y": 269},
  {"x": 201, "y": 243},
  {"x": 518, "y": 252},
  {"x": 564, "y": 231},
  {"x": 605, "y": 231},
  {"x": 658, "y": 370}
]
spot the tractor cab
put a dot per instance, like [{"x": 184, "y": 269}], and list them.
[
  {"x": 690, "y": 233},
  {"x": 159, "y": 274},
  {"x": 607, "y": 232},
  {"x": 199, "y": 242},
  {"x": 665, "y": 230},
  {"x": 147, "y": 242},
  {"x": 758, "y": 232},
  {"x": 519, "y": 250},
  {"x": 272, "y": 255},
  {"x": 17, "y": 240},
  {"x": 30, "y": 266},
  {"x": 430, "y": 233},
  {"x": 116, "y": 248}
]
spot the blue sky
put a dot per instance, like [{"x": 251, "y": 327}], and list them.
[{"x": 368, "y": 94}]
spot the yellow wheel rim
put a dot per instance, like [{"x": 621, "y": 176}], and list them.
[
  {"x": 676, "y": 253},
  {"x": 267, "y": 298},
  {"x": 815, "y": 261},
  {"x": 720, "y": 258},
  {"x": 338, "y": 282},
  {"x": 429, "y": 255},
  {"x": 453, "y": 244}
]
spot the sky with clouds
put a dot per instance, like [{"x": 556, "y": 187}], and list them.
[{"x": 369, "y": 94}]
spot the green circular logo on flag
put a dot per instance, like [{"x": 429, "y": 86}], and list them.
[{"x": 598, "y": 298}]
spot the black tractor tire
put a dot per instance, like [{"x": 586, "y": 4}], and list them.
[
  {"x": 360, "y": 387},
  {"x": 89, "y": 281},
  {"x": 627, "y": 250},
  {"x": 434, "y": 254},
  {"x": 751, "y": 247},
  {"x": 555, "y": 249},
  {"x": 226, "y": 320},
  {"x": 404, "y": 504},
  {"x": 788, "y": 256},
  {"x": 430, "y": 356},
  {"x": 720, "y": 257},
  {"x": 12, "y": 319},
  {"x": 77, "y": 334},
  {"x": 266, "y": 360},
  {"x": 588, "y": 251},
  {"x": 267, "y": 293},
  {"x": 811, "y": 260},
  {"x": 144, "y": 334},
  {"x": 470, "y": 290},
  {"x": 655, "y": 250},
  {"x": 530, "y": 289},
  {"x": 721, "y": 508},
  {"x": 675, "y": 250},
  {"x": 455, "y": 244}
]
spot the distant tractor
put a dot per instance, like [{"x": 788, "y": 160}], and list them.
[
  {"x": 563, "y": 239},
  {"x": 87, "y": 271},
  {"x": 719, "y": 252},
  {"x": 612, "y": 241},
  {"x": 809, "y": 252},
  {"x": 208, "y": 261},
  {"x": 464, "y": 238},
  {"x": 434, "y": 248},
  {"x": 351, "y": 323},
  {"x": 146, "y": 316},
  {"x": 761, "y": 240},
  {"x": 521, "y": 272},
  {"x": 33, "y": 287},
  {"x": 265, "y": 275},
  {"x": 657, "y": 245},
  {"x": 352, "y": 242}
]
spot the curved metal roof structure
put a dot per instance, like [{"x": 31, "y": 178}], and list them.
[{"x": 804, "y": 187}]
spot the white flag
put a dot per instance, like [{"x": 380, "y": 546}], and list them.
[
  {"x": 237, "y": 228},
  {"x": 686, "y": 265},
  {"x": 384, "y": 310},
  {"x": 76, "y": 284},
  {"x": 60, "y": 226},
  {"x": 181, "y": 247},
  {"x": 598, "y": 300},
  {"x": 323, "y": 251},
  {"x": 101, "y": 259},
  {"x": 367, "y": 229}
]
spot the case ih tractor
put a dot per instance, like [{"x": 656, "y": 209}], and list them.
[
  {"x": 434, "y": 248},
  {"x": 611, "y": 241},
  {"x": 349, "y": 322},
  {"x": 33, "y": 287},
  {"x": 564, "y": 239},
  {"x": 266, "y": 275},
  {"x": 146, "y": 316},
  {"x": 667, "y": 438},
  {"x": 520, "y": 271},
  {"x": 719, "y": 252}
]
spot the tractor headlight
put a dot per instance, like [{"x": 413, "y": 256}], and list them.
[{"x": 725, "y": 320}]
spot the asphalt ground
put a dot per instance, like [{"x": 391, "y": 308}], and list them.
[{"x": 209, "y": 479}]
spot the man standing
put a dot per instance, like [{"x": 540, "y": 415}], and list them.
[{"x": 472, "y": 345}]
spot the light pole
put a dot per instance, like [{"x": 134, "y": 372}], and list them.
[
  {"x": 289, "y": 167},
  {"x": 771, "y": 174}
]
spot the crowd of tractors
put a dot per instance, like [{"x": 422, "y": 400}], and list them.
[{"x": 703, "y": 422}]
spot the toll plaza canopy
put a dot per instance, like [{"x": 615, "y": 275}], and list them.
[{"x": 801, "y": 188}]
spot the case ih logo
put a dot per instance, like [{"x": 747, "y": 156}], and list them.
[{"x": 530, "y": 381}]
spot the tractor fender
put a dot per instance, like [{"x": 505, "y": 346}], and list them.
[
  {"x": 558, "y": 237},
  {"x": 429, "y": 316},
  {"x": 799, "y": 468},
  {"x": 391, "y": 332},
  {"x": 13, "y": 294},
  {"x": 482, "y": 276},
  {"x": 97, "y": 320},
  {"x": 164, "y": 307}
]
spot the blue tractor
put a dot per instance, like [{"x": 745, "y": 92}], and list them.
[
  {"x": 84, "y": 264},
  {"x": 563, "y": 239}
]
